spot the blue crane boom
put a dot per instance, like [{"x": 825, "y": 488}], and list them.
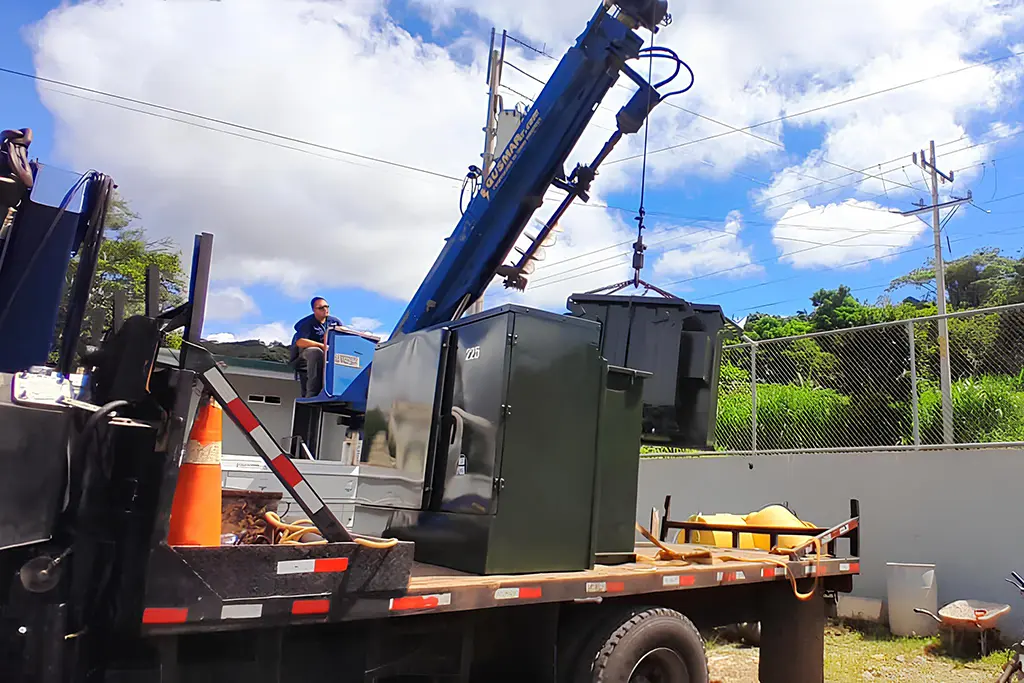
[{"x": 533, "y": 159}]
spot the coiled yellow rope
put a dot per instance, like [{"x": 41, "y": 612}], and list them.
[{"x": 291, "y": 533}]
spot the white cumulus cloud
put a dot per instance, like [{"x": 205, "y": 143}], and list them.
[
  {"x": 347, "y": 76},
  {"x": 266, "y": 333},
  {"x": 340, "y": 74},
  {"x": 230, "y": 304},
  {"x": 717, "y": 251},
  {"x": 363, "y": 324},
  {"x": 846, "y": 233}
]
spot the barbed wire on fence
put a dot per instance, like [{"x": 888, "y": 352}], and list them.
[{"x": 876, "y": 387}]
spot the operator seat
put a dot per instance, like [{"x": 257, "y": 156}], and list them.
[{"x": 16, "y": 175}]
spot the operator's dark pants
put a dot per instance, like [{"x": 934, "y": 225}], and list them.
[{"x": 312, "y": 359}]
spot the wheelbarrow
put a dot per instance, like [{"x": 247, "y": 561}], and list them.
[{"x": 965, "y": 624}]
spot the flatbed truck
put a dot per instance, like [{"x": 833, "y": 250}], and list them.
[
  {"x": 365, "y": 610},
  {"x": 511, "y": 554}
]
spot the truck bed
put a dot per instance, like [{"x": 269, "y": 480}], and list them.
[
  {"x": 436, "y": 589},
  {"x": 432, "y": 589}
]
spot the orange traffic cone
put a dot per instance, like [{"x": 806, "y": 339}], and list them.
[{"x": 196, "y": 510}]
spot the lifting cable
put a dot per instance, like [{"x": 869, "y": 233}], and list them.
[{"x": 638, "y": 246}]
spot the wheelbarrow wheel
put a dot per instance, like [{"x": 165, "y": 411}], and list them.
[{"x": 1012, "y": 670}]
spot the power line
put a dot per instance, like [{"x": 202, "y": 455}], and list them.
[
  {"x": 297, "y": 140},
  {"x": 723, "y": 124},
  {"x": 847, "y": 265},
  {"x": 522, "y": 71},
  {"x": 223, "y": 122},
  {"x": 719, "y": 233},
  {"x": 203, "y": 126},
  {"x": 779, "y": 258},
  {"x": 999, "y": 199},
  {"x": 790, "y": 301},
  {"x": 612, "y": 111},
  {"x": 817, "y": 245},
  {"x": 823, "y": 107},
  {"x": 787, "y": 223},
  {"x": 529, "y": 47},
  {"x": 745, "y": 131},
  {"x": 531, "y": 100},
  {"x": 779, "y": 144},
  {"x": 799, "y": 275}
]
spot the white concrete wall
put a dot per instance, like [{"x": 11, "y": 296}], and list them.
[
  {"x": 915, "y": 507},
  {"x": 276, "y": 418}
]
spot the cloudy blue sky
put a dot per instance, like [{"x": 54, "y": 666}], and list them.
[{"x": 754, "y": 221}]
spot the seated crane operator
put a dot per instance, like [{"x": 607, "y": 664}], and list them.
[{"x": 309, "y": 346}]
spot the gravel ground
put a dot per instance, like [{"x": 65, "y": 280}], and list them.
[{"x": 853, "y": 656}]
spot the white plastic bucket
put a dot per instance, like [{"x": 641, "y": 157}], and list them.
[{"x": 910, "y": 586}]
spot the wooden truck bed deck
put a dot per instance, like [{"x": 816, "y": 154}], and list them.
[{"x": 436, "y": 589}]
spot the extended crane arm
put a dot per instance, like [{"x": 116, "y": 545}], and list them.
[{"x": 533, "y": 160}]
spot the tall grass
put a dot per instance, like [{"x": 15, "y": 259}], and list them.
[
  {"x": 987, "y": 409},
  {"x": 787, "y": 417}
]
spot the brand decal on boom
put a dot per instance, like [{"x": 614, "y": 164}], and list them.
[{"x": 503, "y": 163}]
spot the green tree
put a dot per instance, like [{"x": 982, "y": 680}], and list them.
[
  {"x": 978, "y": 280},
  {"x": 125, "y": 255}
]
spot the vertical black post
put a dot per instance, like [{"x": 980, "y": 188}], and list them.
[
  {"x": 855, "y": 534},
  {"x": 118, "y": 313},
  {"x": 792, "y": 634},
  {"x": 664, "y": 520},
  {"x": 152, "y": 291},
  {"x": 199, "y": 284},
  {"x": 97, "y": 323}
]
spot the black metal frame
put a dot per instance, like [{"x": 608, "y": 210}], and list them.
[
  {"x": 208, "y": 583},
  {"x": 849, "y": 529}
]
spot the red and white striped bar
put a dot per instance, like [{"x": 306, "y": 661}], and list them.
[
  {"x": 267, "y": 447},
  {"x": 415, "y": 602},
  {"x": 159, "y": 616},
  {"x": 316, "y": 566},
  {"x": 529, "y": 593},
  {"x": 678, "y": 580},
  {"x": 605, "y": 586},
  {"x": 311, "y": 607}
]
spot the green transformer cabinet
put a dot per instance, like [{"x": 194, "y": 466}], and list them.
[
  {"x": 519, "y": 445},
  {"x": 618, "y": 464}
]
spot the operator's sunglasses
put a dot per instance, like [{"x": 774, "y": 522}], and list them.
[{"x": 323, "y": 308}]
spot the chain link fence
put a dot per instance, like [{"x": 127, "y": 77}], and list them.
[{"x": 877, "y": 387}]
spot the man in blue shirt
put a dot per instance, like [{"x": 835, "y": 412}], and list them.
[{"x": 309, "y": 345}]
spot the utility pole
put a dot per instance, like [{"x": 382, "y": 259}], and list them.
[
  {"x": 495, "y": 61},
  {"x": 945, "y": 381}
]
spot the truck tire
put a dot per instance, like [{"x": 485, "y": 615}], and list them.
[{"x": 648, "y": 645}]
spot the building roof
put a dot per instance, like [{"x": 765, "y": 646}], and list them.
[{"x": 249, "y": 367}]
